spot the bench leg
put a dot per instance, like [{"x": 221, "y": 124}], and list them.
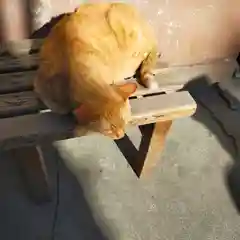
[
  {"x": 32, "y": 165},
  {"x": 152, "y": 143}
]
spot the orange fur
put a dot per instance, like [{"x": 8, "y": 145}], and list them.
[{"x": 86, "y": 57}]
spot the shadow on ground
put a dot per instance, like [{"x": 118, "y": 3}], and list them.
[
  {"x": 68, "y": 216},
  {"x": 220, "y": 106}
]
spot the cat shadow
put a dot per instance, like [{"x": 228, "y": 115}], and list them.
[{"x": 219, "y": 112}]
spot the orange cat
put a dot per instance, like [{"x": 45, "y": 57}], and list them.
[{"x": 85, "y": 58}]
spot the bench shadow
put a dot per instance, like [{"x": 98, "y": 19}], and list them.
[
  {"x": 219, "y": 111},
  {"x": 133, "y": 155},
  {"x": 73, "y": 214},
  {"x": 67, "y": 216}
]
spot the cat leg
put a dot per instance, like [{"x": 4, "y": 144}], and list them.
[
  {"x": 144, "y": 73},
  {"x": 53, "y": 92}
]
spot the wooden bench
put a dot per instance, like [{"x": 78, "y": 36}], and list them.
[{"x": 24, "y": 127}]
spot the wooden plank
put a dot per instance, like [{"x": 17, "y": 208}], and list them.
[
  {"x": 32, "y": 129},
  {"x": 20, "y": 63},
  {"x": 15, "y": 104},
  {"x": 33, "y": 168},
  {"x": 162, "y": 107},
  {"x": 149, "y": 157},
  {"x": 160, "y": 87},
  {"x": 16, "y": 82},
  {"x": 21, "y": 47}
]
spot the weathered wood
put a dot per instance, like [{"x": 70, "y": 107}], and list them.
[
  {"x": 16, "y": 82},
  {"x": 30, "y": 130},
  {"x": 161, "y": 107},
  {"x": 152, "y": 107},
  {"x": 161, "y": 87},
  {"x": 32, "y": 166},
  {"x": 15, "y": 104},
  {"x": 18, "y": 63},
  {"x": 22, "y": 46},
  {"x": 148, "y": 158},
  {"x": 33, "y": 129}
]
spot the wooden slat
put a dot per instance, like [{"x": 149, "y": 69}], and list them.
[
  {"x": 15, "y": 104},
  {"x": 20, "y": 63},
  {"x": 162, "y": 107},
  {"x": 32, "y": 129},
  {"x": 21, "y": 47},
  {"x": 16, "y": 82}
]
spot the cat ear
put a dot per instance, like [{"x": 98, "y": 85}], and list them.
[
  {"x": 83, "y": 114},
  {"x": 126, "y": 90}
]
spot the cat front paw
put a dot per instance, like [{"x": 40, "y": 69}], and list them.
[{"x": 149, "y": 81}]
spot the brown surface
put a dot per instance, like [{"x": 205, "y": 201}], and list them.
[
  {"x": 20, "y": 103},
  {"x": 16, "y": 82},
  {"x": 20, "y": 63},
  {"x": 156, "y": 144},
  {"x": 32, "y": 166}
]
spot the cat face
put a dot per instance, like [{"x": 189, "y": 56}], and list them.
[
  {"x": 115, "y": 119},
  {"x": 117, "y": 114},
  {"x": 111, "y": 118}
]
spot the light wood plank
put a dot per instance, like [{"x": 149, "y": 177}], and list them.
[
  {"x": 162, "y": 107},
  {"x": 151, "y": 146},
  {"x": 149, "y": 158}
]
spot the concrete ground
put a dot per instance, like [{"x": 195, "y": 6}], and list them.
[{"x": 192, "y": 194}]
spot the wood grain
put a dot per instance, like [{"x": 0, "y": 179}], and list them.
[
  {"x": 149, "y": 158},
  {"x": 32, "y": 129},
  {"x": 162, "y": 107},
  {"x": 20, "y": 103},
  {"x": 19, "y": 63},
  {"x": 16, "y": 82}
]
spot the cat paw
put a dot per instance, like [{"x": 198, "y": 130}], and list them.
[
  {"x": 149, "y": 81},
  {"x": 153, "y": 85}
]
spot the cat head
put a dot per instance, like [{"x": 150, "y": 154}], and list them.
[{"x": 111, "y": 118}]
